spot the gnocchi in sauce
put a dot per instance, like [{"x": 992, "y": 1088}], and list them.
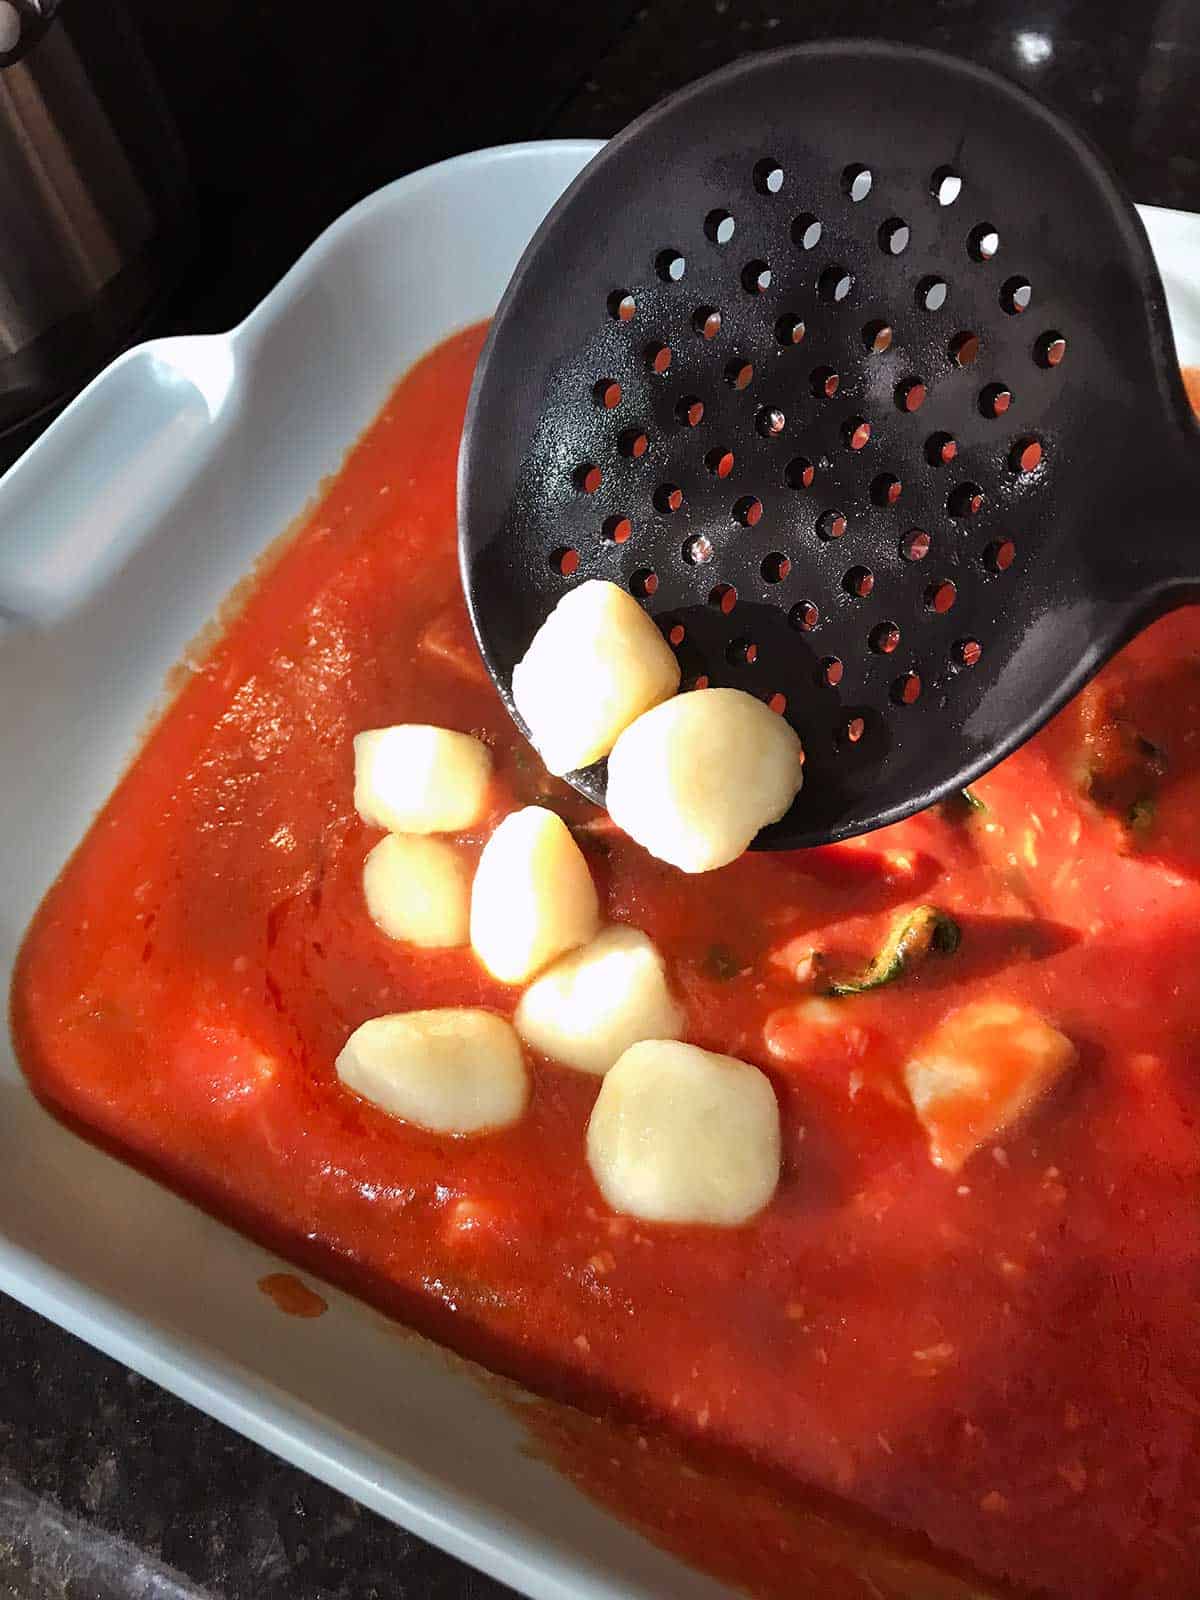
[{"x": 935, "y": 1094}]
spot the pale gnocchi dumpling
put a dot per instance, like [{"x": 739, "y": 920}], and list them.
[
  {"x": 695, "y": 779},
  {"x": 596, "y": 663},
  {"x": 533, "y": 897},
  {"x": 591, "y": 1005},
  {"x": 979, "y": 1070},
  {"x": 680, "y": 1134},
  {"x": 450, "y": 1071},
  {"x": 418, "y": 889},
  {"x": 416, "y": 779}
]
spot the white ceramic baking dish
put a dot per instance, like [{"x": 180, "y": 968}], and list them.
[{"x": 120, "y": 531}]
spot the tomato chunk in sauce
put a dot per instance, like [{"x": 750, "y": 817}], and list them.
[{"x": 1003, "y": 1358}]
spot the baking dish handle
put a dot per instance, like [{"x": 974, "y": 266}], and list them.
[{"x": 81, "y": 500}]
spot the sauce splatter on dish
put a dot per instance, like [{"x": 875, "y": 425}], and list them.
[{"x": 292, "y": 1296}]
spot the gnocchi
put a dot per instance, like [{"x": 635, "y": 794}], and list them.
[
  {"x": 416, "y": 779},
  {"x": 418, "y": 889},
  {"x": 695, "y": 779},
  {"x": 533, "y": 897},
  {"x": 680, "y": 1134},
  {"x": 455, "y": 1070},
  {"x": 592, "y": 1004},
  {"x": 595, "y": 664},
  {"x": 980, "y": 1069}
]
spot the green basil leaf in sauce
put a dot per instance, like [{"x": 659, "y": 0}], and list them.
[
  {"x": 910, "y": 939},
  {"x": 721, "y": 963},
  {"x": 966, "y": 803}
]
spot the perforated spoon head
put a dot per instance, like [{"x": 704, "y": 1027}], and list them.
[{"x": 853, "y": 363}]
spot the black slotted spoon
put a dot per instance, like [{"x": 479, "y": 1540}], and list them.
[{"x": 852, "y": 361}]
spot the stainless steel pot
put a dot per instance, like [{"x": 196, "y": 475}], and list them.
[{"x": 93, "y": 200}]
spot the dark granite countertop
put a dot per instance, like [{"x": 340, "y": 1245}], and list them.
[{"x": 109, "y": 1487}]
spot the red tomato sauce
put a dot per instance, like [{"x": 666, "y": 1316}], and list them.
[{"x": 1004, "y": 1361}]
